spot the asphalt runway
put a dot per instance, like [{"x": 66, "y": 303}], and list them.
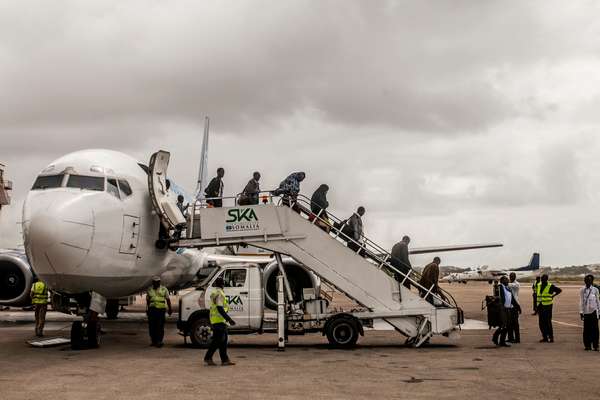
[{"x": 380, "y": 367}]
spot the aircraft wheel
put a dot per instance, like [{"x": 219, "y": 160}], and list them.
[
  {"x": 93, "y": 334},
  {"x": 76, "y": 335},
  {"x": 112, "y": 309}
]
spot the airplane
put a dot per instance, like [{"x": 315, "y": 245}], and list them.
[
  {"x": 489, "y": 275},
  {"x": 90, "y": 232}
]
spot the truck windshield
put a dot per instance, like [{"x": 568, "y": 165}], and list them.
[
  {"x": 86, "y": 182},
  {"x": 47, "y": 182},
  {"x": 204, "y": 282}
]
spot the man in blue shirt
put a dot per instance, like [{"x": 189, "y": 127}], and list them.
[{"x": 507, "y": 303}]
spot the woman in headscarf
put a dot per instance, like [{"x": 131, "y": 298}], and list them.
[
  {"x": 289, "y": 188},
  {"x": 319, "y": 204}
]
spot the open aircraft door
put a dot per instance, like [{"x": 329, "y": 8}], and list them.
[{"x": 163, "y": 205}]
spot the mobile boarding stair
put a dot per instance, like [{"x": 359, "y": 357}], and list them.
[{"x": 365, "y": 275}]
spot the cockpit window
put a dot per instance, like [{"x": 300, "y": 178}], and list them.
[
  {"x": 125, "y": 188},
  {"x": 112, "y": 188},
  {"x": 86, "y": 182},
  {"x": 47, "y": 182}
]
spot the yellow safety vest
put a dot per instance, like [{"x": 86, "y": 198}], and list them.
[
  {"x": 544, "y": 297},
  {"x": 215, "y": 315},
  {"x": 39, "y": 293},
  {"x": 158, "y": 297}
]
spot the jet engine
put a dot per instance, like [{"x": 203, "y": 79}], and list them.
[
  {"x": 298, "y": 276},
  {"x": 16, "y": 278}
]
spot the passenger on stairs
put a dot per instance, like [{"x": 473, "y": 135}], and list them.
[
  {"x": 215, "y": 189},
  {"x": 318, "y": 207},
  {"x": 289, "y": 189},
  {"x": 353, "y": 229},
  {"x": 429, "y": 279},
  {"x": 400, "y": 260},
  {"x": 250, "y": 193}
]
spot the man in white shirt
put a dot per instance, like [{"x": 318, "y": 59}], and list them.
[
  {"x": 514, "y": 336},
  {"x": 589, "y": 306}
]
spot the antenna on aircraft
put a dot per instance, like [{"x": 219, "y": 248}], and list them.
[{"x": 203, "y": 169}]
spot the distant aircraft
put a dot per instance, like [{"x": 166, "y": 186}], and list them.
[{"x": 489, "y": 275}]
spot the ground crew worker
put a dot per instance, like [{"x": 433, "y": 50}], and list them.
[
  {"x": 157, "y": 301},
  {"x": 218, "y": 321},
  {"x": 545, "y": 293},
  {"x": 39, "y": 299}
]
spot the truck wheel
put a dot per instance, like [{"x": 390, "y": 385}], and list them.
[
  {"x": 200, "y": 332},
  {"x": 112, "y": 309},
  {"x": 342, "y": 332}
]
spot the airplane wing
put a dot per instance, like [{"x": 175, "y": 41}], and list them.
[{"x": 424, "y": 250}]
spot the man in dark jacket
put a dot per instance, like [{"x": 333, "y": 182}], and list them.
[
  {"x": 250, "y": 193},
  {"x": 507, "y": 303},
  {"x": 318, "y": 207},
  {"x": 353, "y": 229},
  {"x": 215, "y": 189},
  {"x": 429, "y": 279},
  {"x": 400, "y": 260}
]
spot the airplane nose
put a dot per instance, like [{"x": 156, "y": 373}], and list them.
[{"x": 58, "y": 241}]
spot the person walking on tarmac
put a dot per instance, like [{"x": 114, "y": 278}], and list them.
[
  {"x": 514, "y": 335},
  {"x": 39, "y": 299},
  {"x": 219, "y": 306},
  {"x": 507, "y": 304},
  {"x": 157, "y": 301},
  {"x": 589, "y": 307},
  {"x": 545, "y": 294},
  {"x": 214, "y": 190}
]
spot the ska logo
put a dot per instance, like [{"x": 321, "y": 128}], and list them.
[
  {"x": 235, "y": 303},
  {"x": 241, "y": 219},
  {"x": 241, "y": 215}
]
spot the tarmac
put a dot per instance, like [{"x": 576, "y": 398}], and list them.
[{"x": 379, "y": 367}]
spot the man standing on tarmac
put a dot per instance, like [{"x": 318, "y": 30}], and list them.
[
  {"x": 400, "y": 259},
  {"x": 157, "y": 301},
  {"x": 514, "y": 336},
  {"x": 39, "y": 299},
  {"x": 589, "y": 306},
  {"x": 507, "y": 304},
  {"x": 534, "y": 290},
  {"x": 545, "y": 294},
  {"x": 219, "y": 319}
]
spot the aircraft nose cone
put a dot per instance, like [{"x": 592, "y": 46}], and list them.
[{"x": 43, "y": 231}]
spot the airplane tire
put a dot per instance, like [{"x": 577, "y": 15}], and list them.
[
  {"x": 93, "y": 334},
  {"x": 200, "y": 332},
  {"x": 342, "y": 332},
  {"x": 76, "y": 335},
  {"x": 112, "y": 309}
]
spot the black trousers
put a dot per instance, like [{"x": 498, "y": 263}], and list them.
[
  {"x": 590, "y": 331},
  {"x": 156, "y": 324},
  {"x": 499, "y": 336},
  {"x": 399, "y": 265},
  {"x": 514, "y": 335},
  {"x": 545, "y": 321},
  {"x": 534, "y": 303},
  {"x": 218, "y": 341}
]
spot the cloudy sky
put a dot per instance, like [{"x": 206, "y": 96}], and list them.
[{"x": 453, "y": 122}]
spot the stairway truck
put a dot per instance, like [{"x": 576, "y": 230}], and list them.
[{"x": 244, "y": 289}]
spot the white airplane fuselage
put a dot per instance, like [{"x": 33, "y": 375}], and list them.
[{"x": 81, "y": 233}]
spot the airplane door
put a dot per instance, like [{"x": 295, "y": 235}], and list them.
[
  {"x": 130, "y": 236},
  {"x": 236, "y": 290},
  {"x": 169, "y": 214}
]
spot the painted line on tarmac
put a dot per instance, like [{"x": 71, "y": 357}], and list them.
[{"x": 566, "y": 324}]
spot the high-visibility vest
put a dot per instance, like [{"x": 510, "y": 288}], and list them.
[
  {"x": 543, "y": 296},
  {"x": 158, "y": 297},
  {"x": 39, "y": 293},
  {"x": 215, "y": 315}
]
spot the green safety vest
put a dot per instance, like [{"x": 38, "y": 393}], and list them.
[
  {"x": 39, "y": 293},
  {"x": 215, "y": 315},
  {"x": 544, "y": 297},
  {"x": 158, "y": 297}
]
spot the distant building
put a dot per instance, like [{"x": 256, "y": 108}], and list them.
[{"x": 5, "y": 187}]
